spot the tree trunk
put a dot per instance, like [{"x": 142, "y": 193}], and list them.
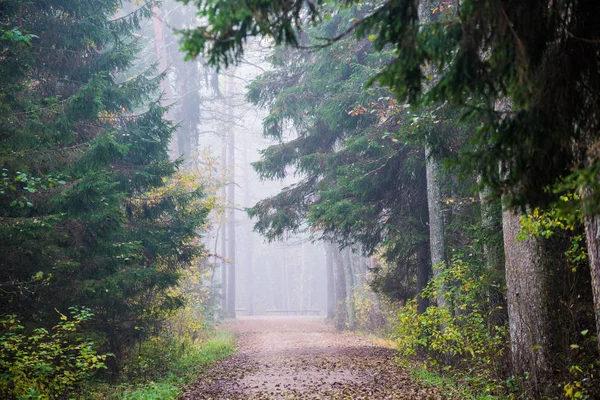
[
  {"x": 231, "y": 201},
  {"x": 423, "y": 270},
  {"x": 250, "y": 242},
  {"x": 492, "y": 252},
  {"x": 223, "y": 223},
  {"x": 286, "y": 279},
  {"x": 341, "y": 312},
  {"x": 526, "y": 283},
  {"x": 437, "y": 243},
  {"x": 347, "y": 261},
  {"x": 592, "y": 235},
  {"x": 330, "y": 281}
]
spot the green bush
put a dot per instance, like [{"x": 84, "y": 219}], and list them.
[
  {"x": 46, "y": 364},
  {"x": 457, "y": 337},
  {"x": 162, "y": 365}
]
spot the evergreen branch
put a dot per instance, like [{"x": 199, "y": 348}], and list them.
[
  {"x": 137, "y": 10},
  {"x": 39, "y": 109}
]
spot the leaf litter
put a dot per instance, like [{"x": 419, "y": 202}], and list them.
[{"x": 302, "y": 358}]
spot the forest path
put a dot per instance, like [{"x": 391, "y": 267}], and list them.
[{"x": 304, "y": 358}]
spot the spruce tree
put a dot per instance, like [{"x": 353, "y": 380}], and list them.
[{"x": 86, "y": 214}]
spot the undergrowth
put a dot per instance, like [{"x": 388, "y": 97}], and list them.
[
  {"x": 448, "y": 386},
  {"x": 162, "y": 366}
]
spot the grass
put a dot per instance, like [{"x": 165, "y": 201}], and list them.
[
  {"x": 447, "y": 386},
  {"x": 181, "y": 371}
]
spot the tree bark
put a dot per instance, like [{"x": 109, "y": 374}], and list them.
[
  {"x": 250, "y": 242},
  {"x": 526, "y": 283},
  {"x": 231, "y": 221},
  {"x": 423, "y": 270},
  {"x": 592, "y": 236},
  {"x": 349, "y": 271},
  {"x": 492, "y": 252},
  {"x": 330, "y": 281},
  {"x": 223, "y": 223},
  {"x": 341, "y": 312},
  {"x": 437, "y": 243}
]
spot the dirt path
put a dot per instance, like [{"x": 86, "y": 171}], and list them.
[{"x": 302, "y": 358}]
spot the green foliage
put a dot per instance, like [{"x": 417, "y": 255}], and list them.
[
  {"x": 583, "y": 382},
  {"x": 162, "y": 365},
  {"x": 160, "y": 356},
  {"x": 557, "y": 219},
  {"x": 460, "y": 336},
  {"x": 481, "y": 52},
  {"x": 223, "y": 44},
  {"x": 447, "y": 386},
  {"x": 43, "y": 364},
  {"x": 91, "y": 210},
  {"x": 363, "y": 181}
]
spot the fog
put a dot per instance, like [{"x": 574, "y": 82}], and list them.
[{"x": 217, "y": 126}]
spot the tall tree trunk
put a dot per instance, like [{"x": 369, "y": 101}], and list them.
[
  {"x": 526, "y": 283},
  {"x": 423, "y": 270},
  {"x": 330, "y": 280},
  {"x": 223, "y": 223},
  {"x": 160, "y": 49},
  {"x": 592, "y": 235},
  {"x": 302, "y": 277},
  {"x": 341, "y": 312},
  {"x": 349, "y": 270},
  {"x": 437, "y": 243},
  {"x": 286, "y": 279},
  {"x": 494, "y": 260},
  {"x": 311, "y": 269},
  {"x": 231, "y": 201},
  {"x": 250, "y": 249}
]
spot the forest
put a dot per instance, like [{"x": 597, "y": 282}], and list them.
[{"x": 299, "y": 199}]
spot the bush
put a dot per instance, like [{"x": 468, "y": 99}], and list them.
[
  {"x": 46, "y": 364},
  {"x": 164, "y": 365},
  {"x": 459, "y": 337},
  {"x": 162, "y": 356}
]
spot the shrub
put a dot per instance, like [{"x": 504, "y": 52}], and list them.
[
  {"x": 460, "y": 336},
  {"x": 46, "y": 364}
]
